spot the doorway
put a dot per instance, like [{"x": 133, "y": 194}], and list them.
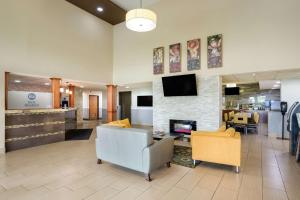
[
  {"x": 125, "y": 103},
  {"x": 93, "y": 107}
]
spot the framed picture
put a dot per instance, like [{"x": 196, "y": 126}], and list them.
[
  {"x": 193, "y": 54},
  {"x": 175, "y": 58},
  {"x": 158, "y": 60},
  {"x": 214, "y": 51}
]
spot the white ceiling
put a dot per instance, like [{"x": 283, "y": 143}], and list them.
[
  {"x": 269, "y": 84},
  {"x": 131, "y": 4},
  {"x": 261, "y": 76}
]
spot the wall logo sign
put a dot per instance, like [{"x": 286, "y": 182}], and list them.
[{"x": 31, "y": 96}]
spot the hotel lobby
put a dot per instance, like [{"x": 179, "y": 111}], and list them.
[{"x": 149, "y": 100}]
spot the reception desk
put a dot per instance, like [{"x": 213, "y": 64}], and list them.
[{"x": 29, "y": 128}]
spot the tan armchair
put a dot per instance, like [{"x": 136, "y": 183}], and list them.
[{"x": 217, "y": 147}]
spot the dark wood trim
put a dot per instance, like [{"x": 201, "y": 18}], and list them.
[
  {"x": 112, "y": 13},
  {"x": 6, "y": 89}
]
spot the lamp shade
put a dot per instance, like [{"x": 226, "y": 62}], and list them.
[{"x": 141, "y": 20}]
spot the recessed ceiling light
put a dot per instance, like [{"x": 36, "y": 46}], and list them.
[
  {"x": 230, "y": 85},
  {"x": 100, "y": 9},
  {"x": 276, "y": 85},
  {"x": 127, "y": 87},
  {"x": 278, "y": 82},
  {"x": 47, "y": 84},
  {"x": 17, "y": 81}
]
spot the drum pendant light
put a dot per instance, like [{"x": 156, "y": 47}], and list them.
[{"x": 140, "y": 19}]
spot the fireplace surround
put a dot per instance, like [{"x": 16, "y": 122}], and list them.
[{"x": 183, "y": 127}]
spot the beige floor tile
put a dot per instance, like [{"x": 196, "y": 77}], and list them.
[
  {"x": 153, "y": 193},
  {"x": 249, "y": 194},
  {"x": 175, "y": 194},
  {"x": 103, "y": 194},
  {"x": 225, "y": 194},
  {"x": 273, "y": 194},
  {"x": 231, "y": 181},
  {"x": 65, "y": 194},
  {"x": 12, "y": 193},
  {"x": 200, "y": 193},
  {"x": 210, "y": 182},
  {"x": 129, "y": 193},
  {"x": 189, "y": 181},
  {"x": 68, "y": 170},
  {"x": 275, "y": 183}
]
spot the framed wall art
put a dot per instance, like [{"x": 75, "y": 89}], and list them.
[
  {"x": 175, "y": 58},
  {"x": 158, "y": 60},
  {"x": 214, "y": 51},
  {"x": 193, "y": 54}
]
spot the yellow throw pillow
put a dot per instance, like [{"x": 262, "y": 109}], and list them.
[
  {"x": 117, "y": 125},
  {"x": 222, "y": 128},
  {"x": 126, "y": 122},
  {"x": 230, "y": 132}
]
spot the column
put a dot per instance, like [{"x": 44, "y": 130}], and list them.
[
  {"x": 55, "y": 83},
  {"x": 71, "y": 96},
  {"x": 111, "y": 102}
]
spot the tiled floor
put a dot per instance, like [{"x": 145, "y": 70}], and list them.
[{"x": 68, "y": 170}]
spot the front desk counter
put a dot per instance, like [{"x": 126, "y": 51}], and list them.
[{"x": 29, "y": 128}]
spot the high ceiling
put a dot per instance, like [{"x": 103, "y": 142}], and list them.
[{"x": 114, "y": 11}]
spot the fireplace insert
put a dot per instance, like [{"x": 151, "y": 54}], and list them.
[{"x": 182, "y": 126}]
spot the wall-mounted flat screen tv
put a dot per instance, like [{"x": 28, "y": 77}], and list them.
[
  {"x": 232, "y": 91},
  {"x": 146, "y": 101},
  {"x": 183, "y": 85}
]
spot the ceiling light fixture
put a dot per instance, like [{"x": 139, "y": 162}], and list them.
[
  {"x": 47, "y": 84},
  {"x": 140, "y": 19},
  {"x": 231, "y": 85},
  {"x": 99, "y": 9},
  {"x": 278, "y": 82},
  {"x": 17, "y": 81}
]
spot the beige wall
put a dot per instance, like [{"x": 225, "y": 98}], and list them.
[
  {"x": 259, "y": 35},
  {"x": 52, "y": 38}
]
